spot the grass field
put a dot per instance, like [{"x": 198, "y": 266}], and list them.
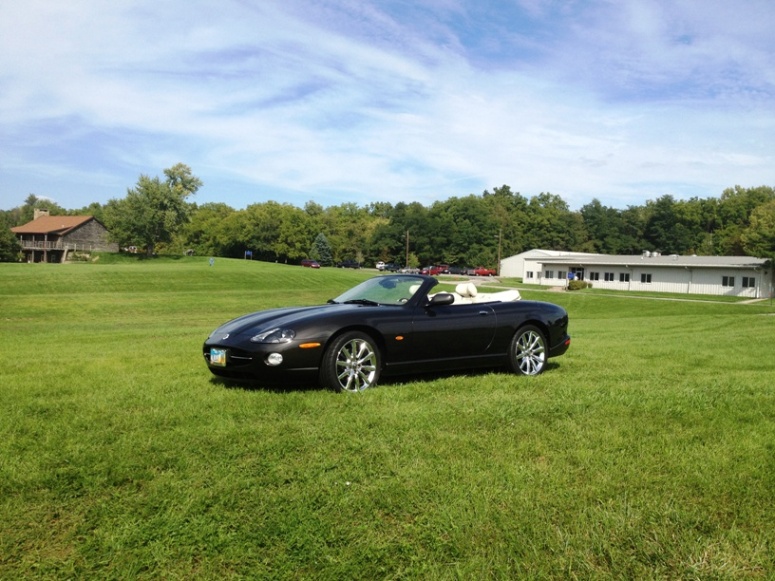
[{"x": 646, "y": 452}]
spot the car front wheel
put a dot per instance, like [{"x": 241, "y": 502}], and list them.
[
  {"x": 527, "y": 352},
  {"x": 351, "y": 363}
]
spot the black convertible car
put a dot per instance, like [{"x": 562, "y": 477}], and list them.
[{"x": 389, "y": 325}]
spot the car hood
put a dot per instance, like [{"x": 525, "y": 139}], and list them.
[{"x": 283, "y": 317}]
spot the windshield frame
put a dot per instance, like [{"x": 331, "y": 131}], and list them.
[{"x": 391, "y": 290}]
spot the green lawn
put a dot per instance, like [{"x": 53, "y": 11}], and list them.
[{"x": 647, "y": 451}]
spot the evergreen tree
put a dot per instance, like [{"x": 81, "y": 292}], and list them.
[{"x": 321, "y": 250}]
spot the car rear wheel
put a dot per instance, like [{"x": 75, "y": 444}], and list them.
[
  {"x": 351, "y": 363},
  {"x": 527, "y": 352}
]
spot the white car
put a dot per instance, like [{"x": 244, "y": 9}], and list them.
[{"x": 380, "y": 265}]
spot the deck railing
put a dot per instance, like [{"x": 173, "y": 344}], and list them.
[{"x": 43, "y": 245}]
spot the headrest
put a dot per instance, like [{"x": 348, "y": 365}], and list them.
[{"x": 466, "y": 289}]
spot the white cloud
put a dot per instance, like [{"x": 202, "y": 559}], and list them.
[{"x": 344, "y": 100}]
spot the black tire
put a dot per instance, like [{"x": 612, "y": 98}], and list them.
[
  {"x": 351, "y": 363},
  {"x": 527, "y": 351}
]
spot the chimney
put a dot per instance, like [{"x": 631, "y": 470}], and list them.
[{"x": 39, "y": 213}]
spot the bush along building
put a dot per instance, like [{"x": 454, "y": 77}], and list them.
[{"x": 55, "y": 238}]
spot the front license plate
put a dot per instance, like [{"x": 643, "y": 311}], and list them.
[{"x": 218, "y": 357}]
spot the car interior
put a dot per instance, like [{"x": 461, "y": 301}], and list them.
[{"x": 467, "y": 293}]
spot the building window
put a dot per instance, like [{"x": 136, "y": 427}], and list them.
[
  {"x": 594, "y": 276},
  {"x": 749, "y": 282},
  {"x": 561, "y": 274},
  {"x": 624, "y": 277},
  {"x": 529, "y": 274},
  {"x": 645, "y": 278},
  {"x": 609, "y": 276},
  {"x": 549, "y": 274},
  {"x": 728, "y": 281}
]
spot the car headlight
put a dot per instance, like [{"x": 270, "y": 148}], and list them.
[{"x": 276, "y": 335}]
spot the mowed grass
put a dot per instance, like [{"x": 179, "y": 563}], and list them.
[{"x": 647, "y": 451}]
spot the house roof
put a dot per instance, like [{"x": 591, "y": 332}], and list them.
[
  {"x": 671, "y": 260},
  {"x": 52, "y": 225}
]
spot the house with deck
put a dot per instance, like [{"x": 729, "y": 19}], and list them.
[{"x": 52, "y": 238}]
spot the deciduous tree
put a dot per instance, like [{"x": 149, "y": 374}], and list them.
[
  {"x": 153, "y": 210},
  {"x": 759, "y": 238},
  {"x": 9, "y": 245}
]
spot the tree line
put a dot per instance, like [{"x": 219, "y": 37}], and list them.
[{"x": 158, "y": 216}]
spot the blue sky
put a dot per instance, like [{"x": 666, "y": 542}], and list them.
[{"x": 341, "y": 101}]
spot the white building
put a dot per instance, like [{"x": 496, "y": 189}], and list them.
[
  {"x": 514, "y": 266},
  {"x": 741, "y": 276}
]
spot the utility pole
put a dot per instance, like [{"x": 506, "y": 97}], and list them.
[
  {"x": 406, "y": 262},
  {"x": 500, "y": 236}
]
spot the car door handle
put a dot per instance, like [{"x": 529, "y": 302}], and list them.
[{"x": 484, "y": 313}]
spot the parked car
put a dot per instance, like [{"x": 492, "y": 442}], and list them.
[
  {"x": 457, "y": 270},
  {"x": 309, "y": 263},
  {"x": 391, "y": 267},
  {"x": 348, "y": 264},
  {"x": 482, "y": 271},
  {"x": 389, "y": 325},
  {"x": 435, "y": 269}
]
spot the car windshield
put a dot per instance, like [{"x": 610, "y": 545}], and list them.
[{"x": 382, "y": 290}]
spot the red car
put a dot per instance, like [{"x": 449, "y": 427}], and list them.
[
  {"x": 436, "y": 269},
  {"x": 482, "y": 271},
  {"x": 309, "y": 263}
]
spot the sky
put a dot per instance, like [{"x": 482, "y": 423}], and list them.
[{"x": 361, "y": 101}]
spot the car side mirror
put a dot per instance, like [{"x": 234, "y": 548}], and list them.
[{"x": 441, "y": 299}]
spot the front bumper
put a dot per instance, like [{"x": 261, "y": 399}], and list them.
[{"x": 253, "y": 364}]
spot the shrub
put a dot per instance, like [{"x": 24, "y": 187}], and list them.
[{"x": 578, "y": 285}]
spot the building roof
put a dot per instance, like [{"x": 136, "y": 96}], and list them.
[
  {"x": 655, "y": 259},
  {"x": 60, "y": 225},
  {"x": 537, "y": 253}
]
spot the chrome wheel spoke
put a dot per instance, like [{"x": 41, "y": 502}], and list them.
[
  {"x": 530, "y": 353},
  {"x": 356, "y": 365}
]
